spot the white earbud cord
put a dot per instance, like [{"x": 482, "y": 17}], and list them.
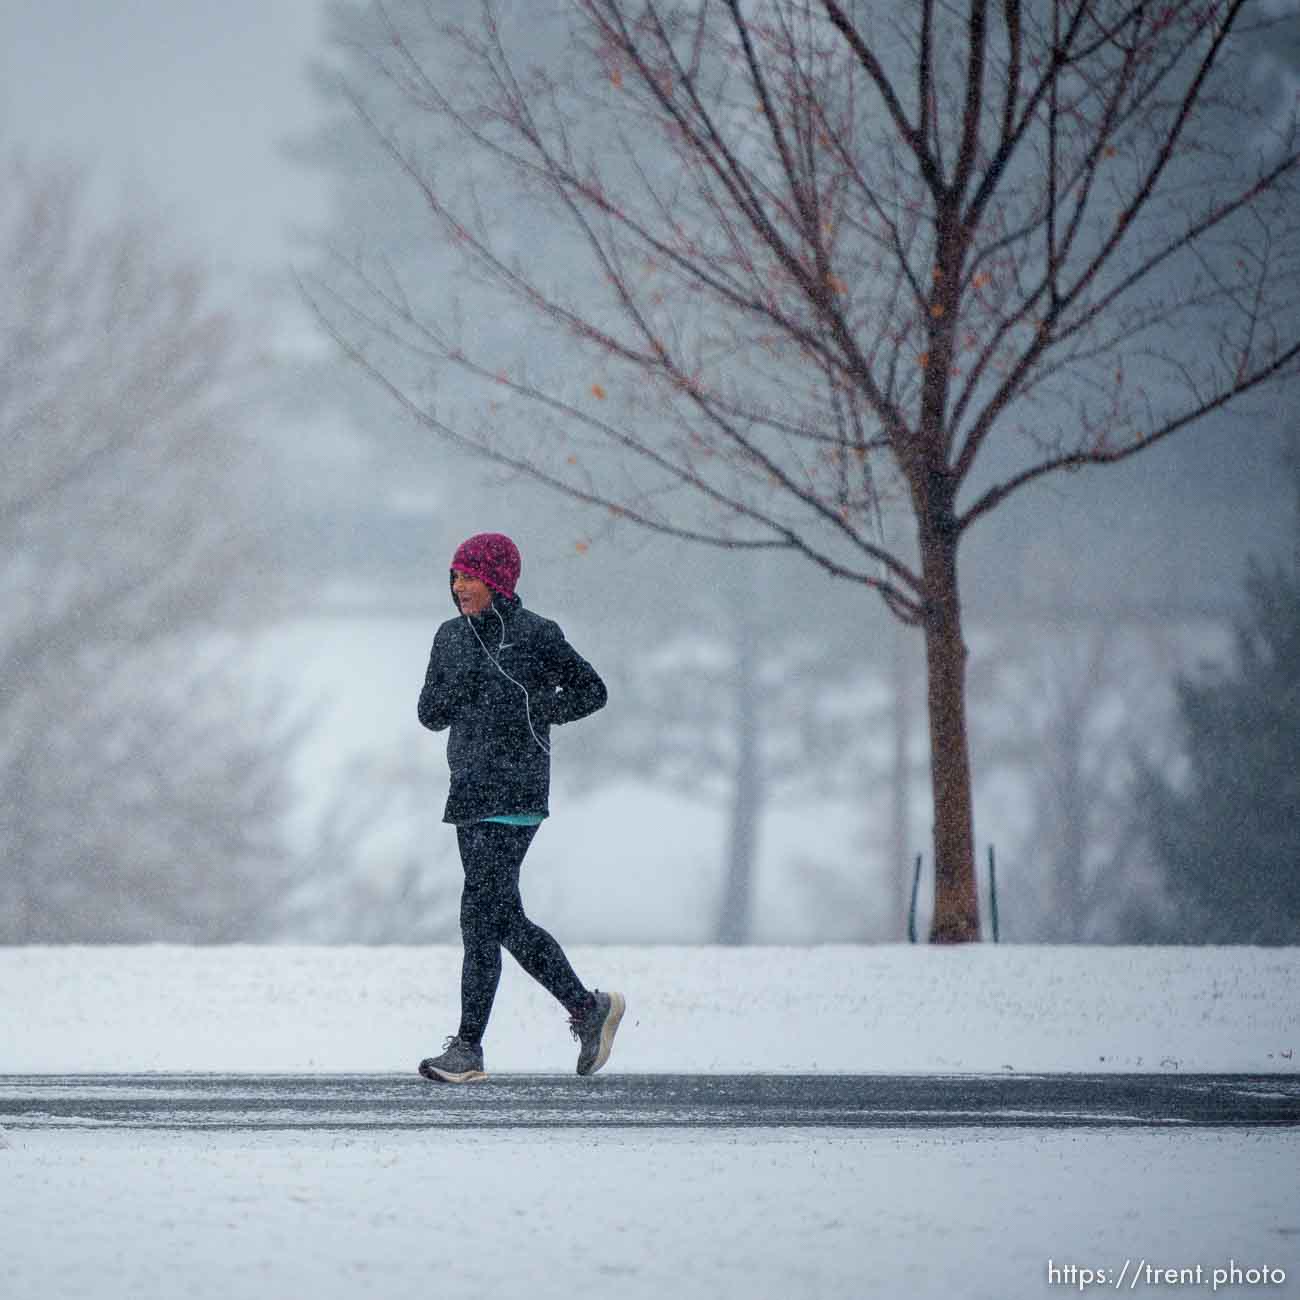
[{"x": 528, "y": 713}]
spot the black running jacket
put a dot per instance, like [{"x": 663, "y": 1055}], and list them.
[{"x": 498, "y": 751}]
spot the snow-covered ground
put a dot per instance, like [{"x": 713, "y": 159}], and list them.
[
  {"x": 684, "y": 1213},
  {"x": 128, "y": 1215},
  {"x": 855, "y": 1009}
]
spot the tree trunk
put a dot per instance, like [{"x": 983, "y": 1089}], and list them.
[
  {"x": 956, "y": 902},
  {"x": 900, "y": 873},
  {"x": 735, "y": 917}
]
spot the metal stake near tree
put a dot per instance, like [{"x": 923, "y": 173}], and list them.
[{"x": 823, "y": 262}]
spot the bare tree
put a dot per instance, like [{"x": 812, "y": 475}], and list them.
[
  {"x": 141, "y": 778},
  {"x": 840, "y": 260},
  {"x": 738, "y": 703},
  {"x": 1068, "y": 699}
]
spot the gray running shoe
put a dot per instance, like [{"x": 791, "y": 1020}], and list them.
[
  {"x": 596, "y": 1029},
  {"x": 460, "y": 1062}
]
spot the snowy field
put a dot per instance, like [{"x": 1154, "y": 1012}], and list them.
[
  {"x": 131, "y": 1215},
  {"x": 845, "y": 1009}
]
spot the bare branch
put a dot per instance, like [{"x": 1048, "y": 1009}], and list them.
[{"x": 1110, "y": 456}]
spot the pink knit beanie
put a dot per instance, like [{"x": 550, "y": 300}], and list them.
[{"x": 490, "y": 557}]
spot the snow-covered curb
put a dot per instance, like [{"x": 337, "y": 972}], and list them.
[{"x": 897, "y": 1009}]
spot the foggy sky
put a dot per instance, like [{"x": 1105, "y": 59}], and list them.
[{"x": 179, "y": 106}]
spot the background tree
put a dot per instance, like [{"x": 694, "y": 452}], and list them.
[
  {"x": 739, "y": 700},
  {"x": 845, "y": 261},
  {"x": 142, "y": 780},
  {"x": 1225, "y": 829},
  {"x": 1067, "y": 697}
]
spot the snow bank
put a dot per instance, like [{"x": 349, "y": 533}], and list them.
[{"x": 897, "y": 1009}]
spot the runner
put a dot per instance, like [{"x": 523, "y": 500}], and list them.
[{"x": 500, "y": 676}]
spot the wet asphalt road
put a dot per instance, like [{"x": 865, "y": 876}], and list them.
[{"x": 387, "y": 1101}]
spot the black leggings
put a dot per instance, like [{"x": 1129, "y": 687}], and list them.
[{"x": 492, "y": 917}]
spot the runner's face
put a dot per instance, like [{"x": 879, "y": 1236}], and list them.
[{"x": 472, "y": 595}]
